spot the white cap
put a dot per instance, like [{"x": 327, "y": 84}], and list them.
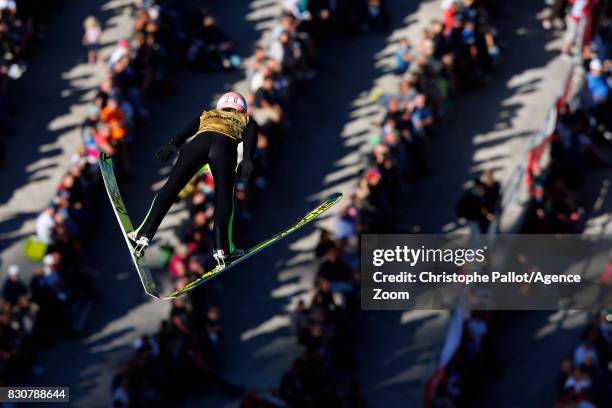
[
  {"x": 13, "y": 270},
  {"x": 595, "y": 65},
  {"x": 48, "y": 260}
]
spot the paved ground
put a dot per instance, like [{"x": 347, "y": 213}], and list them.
[{"x": 483, "y": 131}]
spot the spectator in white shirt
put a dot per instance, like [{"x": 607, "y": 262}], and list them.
[{"x": 44, "y": 225}]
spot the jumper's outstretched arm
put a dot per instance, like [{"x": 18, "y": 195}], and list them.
[
  {"x": 189, "y": 129},
  {"x": 249, "y": 140}
]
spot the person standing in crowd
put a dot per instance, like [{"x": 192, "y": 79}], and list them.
[
  {"x": 475, "y": 208},
  {"x": 91, "y": 38},
  {"x": 13, "y": 288},
  {"x": 578, "y": 10},
  {"x": 403, "y": 56}
]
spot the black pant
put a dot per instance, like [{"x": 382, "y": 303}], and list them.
[{"x": 219, "y": 151}]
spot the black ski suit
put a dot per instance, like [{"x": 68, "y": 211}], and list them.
[{"x": 211, "y": 138}]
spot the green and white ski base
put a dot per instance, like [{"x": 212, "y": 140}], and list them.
[
  {"x": 108, "y": 175},
  {"x": 315, "y": 212}
]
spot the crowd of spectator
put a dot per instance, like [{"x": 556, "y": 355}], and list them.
[
  {"x": 451, "y": 55},
  {"x": 323, "y": 325},
  {"x": 18, "y": 318},
  {"x": 439, "y": 64},
  {"x": 554, "y": 207},
  {"x": 22, "y": 25},
  {"x": 584, "y": 379},
  {"x": 581, "y": 140},
  {"x": 51, "y": 302},
  {"x": 323, "y": 322},
  {"x": 577, "y": 145},
  {"x": 181, "y": 359},
  {"x": 183, "y": 355},
  {"x": 30, "y": 312},
  {"x": 137, "y": 67}
]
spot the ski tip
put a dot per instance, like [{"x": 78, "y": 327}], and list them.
[{"x": 334, "y": 197}]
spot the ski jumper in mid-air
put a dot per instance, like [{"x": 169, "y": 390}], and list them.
[{"x": 212, "y": 138}]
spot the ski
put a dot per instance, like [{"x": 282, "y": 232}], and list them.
[
  {"x": 315, "y": 212},
  {"x": 110, "y": 183}
]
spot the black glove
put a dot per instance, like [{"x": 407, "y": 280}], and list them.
[
  {"x": 165, "y": 152},
  {"x": 247, "y": 168}
]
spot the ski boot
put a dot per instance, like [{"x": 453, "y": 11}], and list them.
[
  {"x": 138, "y": 243},
  {"x": 221, "y": 258}
]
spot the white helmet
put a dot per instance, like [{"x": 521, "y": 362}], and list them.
[{"x": 232, "y": 100}]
